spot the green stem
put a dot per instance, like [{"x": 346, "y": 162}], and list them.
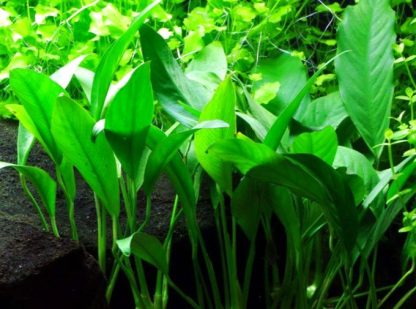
[
  {"x": 404, "y": 299},
  {"x": 211, "y": 274},
  {"x": 147, "y": 214},
  {"x": 144, "y": 290},
  {"x": 112, "y": 282},
  {"x": 398, "y": 284},
  {"x": 34, "y": 202},
  {"x": 131, "y": 206},
  {"x": 69, "y": 205},
  {"x": 101, "y": 234},
  {"x": 391, "y": 161},
  {"x": 54, "y": 226},
  {"x": 189, "y": 300},
  {"x": 116, "y": 266},
  {"x": 249, "y": 270}
]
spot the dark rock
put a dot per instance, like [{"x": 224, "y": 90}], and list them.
[{"x": 38, "y": 270}]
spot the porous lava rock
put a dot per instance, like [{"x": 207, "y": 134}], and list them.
[{"x": 38, "y": 270}]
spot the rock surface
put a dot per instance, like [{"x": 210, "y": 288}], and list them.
[{"x": 38, "y": 270}]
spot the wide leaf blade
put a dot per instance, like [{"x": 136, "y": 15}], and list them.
[
  {"x": 38, "y": 94},
  {"x": 110, "y": 61},
  {"x": 93, "y": 159},
  {"x": 146, "y": 247},
  {"x": 220, "y": 107},
  {"x": 128, "y": 119},
  {"x": 169, "y": 82},
  {"x": 322, "y": 144},
  {"x": 365, "y": 74}
]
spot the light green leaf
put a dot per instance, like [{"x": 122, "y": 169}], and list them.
[
  {"x": 209, "y": 67},
  {"x": 365, "y": 74},
  {"x": 182, "y": 182},
  {"x": 167, "y": 148},
  {"x": 281, "y": 124},
  {"x": 145, "y": 247},
  {"x": 324, "y": 111},
  {"x": 128, "y": 119},
  {"x": 93, "y": 159},
  {"x": 322, "y": 144},
  {"x": 64, "y": 75},
  {"x": 110, "y": 60},
  {"x": 38, "y": 94},
  {"x": 243, "y": 154},
  {"x": 220, "y": 107},
  {"x": 169, "y": 82},
  {"x": 25, "y": 142},
  {"x": 43, "y": 183},
  {"x": 290, "y": 73}
]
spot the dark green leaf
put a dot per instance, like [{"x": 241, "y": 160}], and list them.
[
  {"x": 147, "y": 248},
  {"x": 365, "y": 74}
]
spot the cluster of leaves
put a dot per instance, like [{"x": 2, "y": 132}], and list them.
[{"x": 235, "y": 76}]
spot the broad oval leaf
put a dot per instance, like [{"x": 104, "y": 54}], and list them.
[
  {"x": 322, "y": 144},
  {"x": 145, "y": 247},
  {"x": 38, "y": 94},
  {"x": 170, "y": 84},
  {"x": 220, "y": 107},
  {"x": 209, "y": 67},
  {"x": 243, "y": 154},
  {"x": 357, "y": 164},
  {"x": 365, "y": 74},
  {"x": 128, "y": 118},
  {"x": 110, "y": 61},
  {"x": 94, "y": 160},
  {"x": 290, "y": 73},
  {"x": 324, "y": 111}
]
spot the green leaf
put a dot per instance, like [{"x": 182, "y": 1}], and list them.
[
  {"x": 310, "y": 177},
  {"x": 324, "y": 111},
  {"x": 169, "y": 82},
  {"x": 182, "y": 182},
  {"x": 220, "y": 107},
  {"x": 38, "y": 94},
  {"x": 290, "y": 74},
  {"x": 43, "y": 183},
  {"x": 402, "y": 179},
  {"x": 280, "y": 125},
  {"x": 25, "y": 142},
  {"x": 322, "y": 144},
  {"x": 94, "y": 160},
  {"x": 365, "y": 74},
  {"x": 243, "y": 154},
  {"x": 64, "y": 75},
  {"x": 357, "y": 164},
  {"x": 209, "y": 67},
  {"x": 246, "y": 205},
  {"x": 128, "y": 118},
  {"x": 110, "y": 60},
  {"x": 145, "y": 247},
  {"x": 166, "y": 150}
]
